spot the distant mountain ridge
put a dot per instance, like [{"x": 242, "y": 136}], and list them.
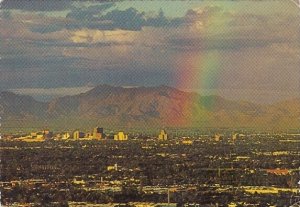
[{"x": 151, "y": 106}]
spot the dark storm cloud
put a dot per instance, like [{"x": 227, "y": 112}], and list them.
[
  {"x": 131, "y": 19},
  {"x": 37, "y": 5},
  {"x": 101, "y": 17},
  {"x": 89, "y": 13}
]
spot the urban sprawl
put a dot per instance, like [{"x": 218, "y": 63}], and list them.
[{"x": 170, "y": 168}]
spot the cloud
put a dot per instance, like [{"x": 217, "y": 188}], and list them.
[
  {"x": 213, "y": 28},
  {"x": 254, "y": 51},
  {"x": 89, "y": 13},
  {"x": 46, "y": 28},
  {"x": 37, "y": 5},
  {"x": 101, "y": 17},
  {"x": 115, "y": 37},
  {"x": 132, "y": 19},
  {"x": 20, "y": 27}
]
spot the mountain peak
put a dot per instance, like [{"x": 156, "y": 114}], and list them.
[{"x": 159, "y": 105}]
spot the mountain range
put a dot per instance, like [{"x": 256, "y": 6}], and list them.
[{"x": 160, "y": 106}]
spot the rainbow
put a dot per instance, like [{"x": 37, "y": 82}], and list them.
[{"x": 200, "y": 69}]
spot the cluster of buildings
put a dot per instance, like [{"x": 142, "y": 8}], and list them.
[
  {"x": 36, "y": 136},
  {"x": 220, "y": 137},
  {"x": 96, "y": 134}
]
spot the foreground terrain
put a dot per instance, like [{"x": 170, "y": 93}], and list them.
[{"x": 249, "y": 170}]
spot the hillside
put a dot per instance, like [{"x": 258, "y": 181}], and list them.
[{"x": 150, "y": 106}]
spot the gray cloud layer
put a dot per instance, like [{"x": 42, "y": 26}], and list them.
[
  {"x": 238, "y": 50},
  {"x": 103, "y": 17}
]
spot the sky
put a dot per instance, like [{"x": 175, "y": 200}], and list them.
[{"x": 242, "y": 50}]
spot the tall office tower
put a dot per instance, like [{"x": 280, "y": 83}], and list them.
[
  {"x": 163, "y": 135},
  {"x": 98, "y": 133},
  {"x": 77, "y": 134}
]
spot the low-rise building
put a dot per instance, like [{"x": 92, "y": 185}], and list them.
[{"x": 121, "y": 136}]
